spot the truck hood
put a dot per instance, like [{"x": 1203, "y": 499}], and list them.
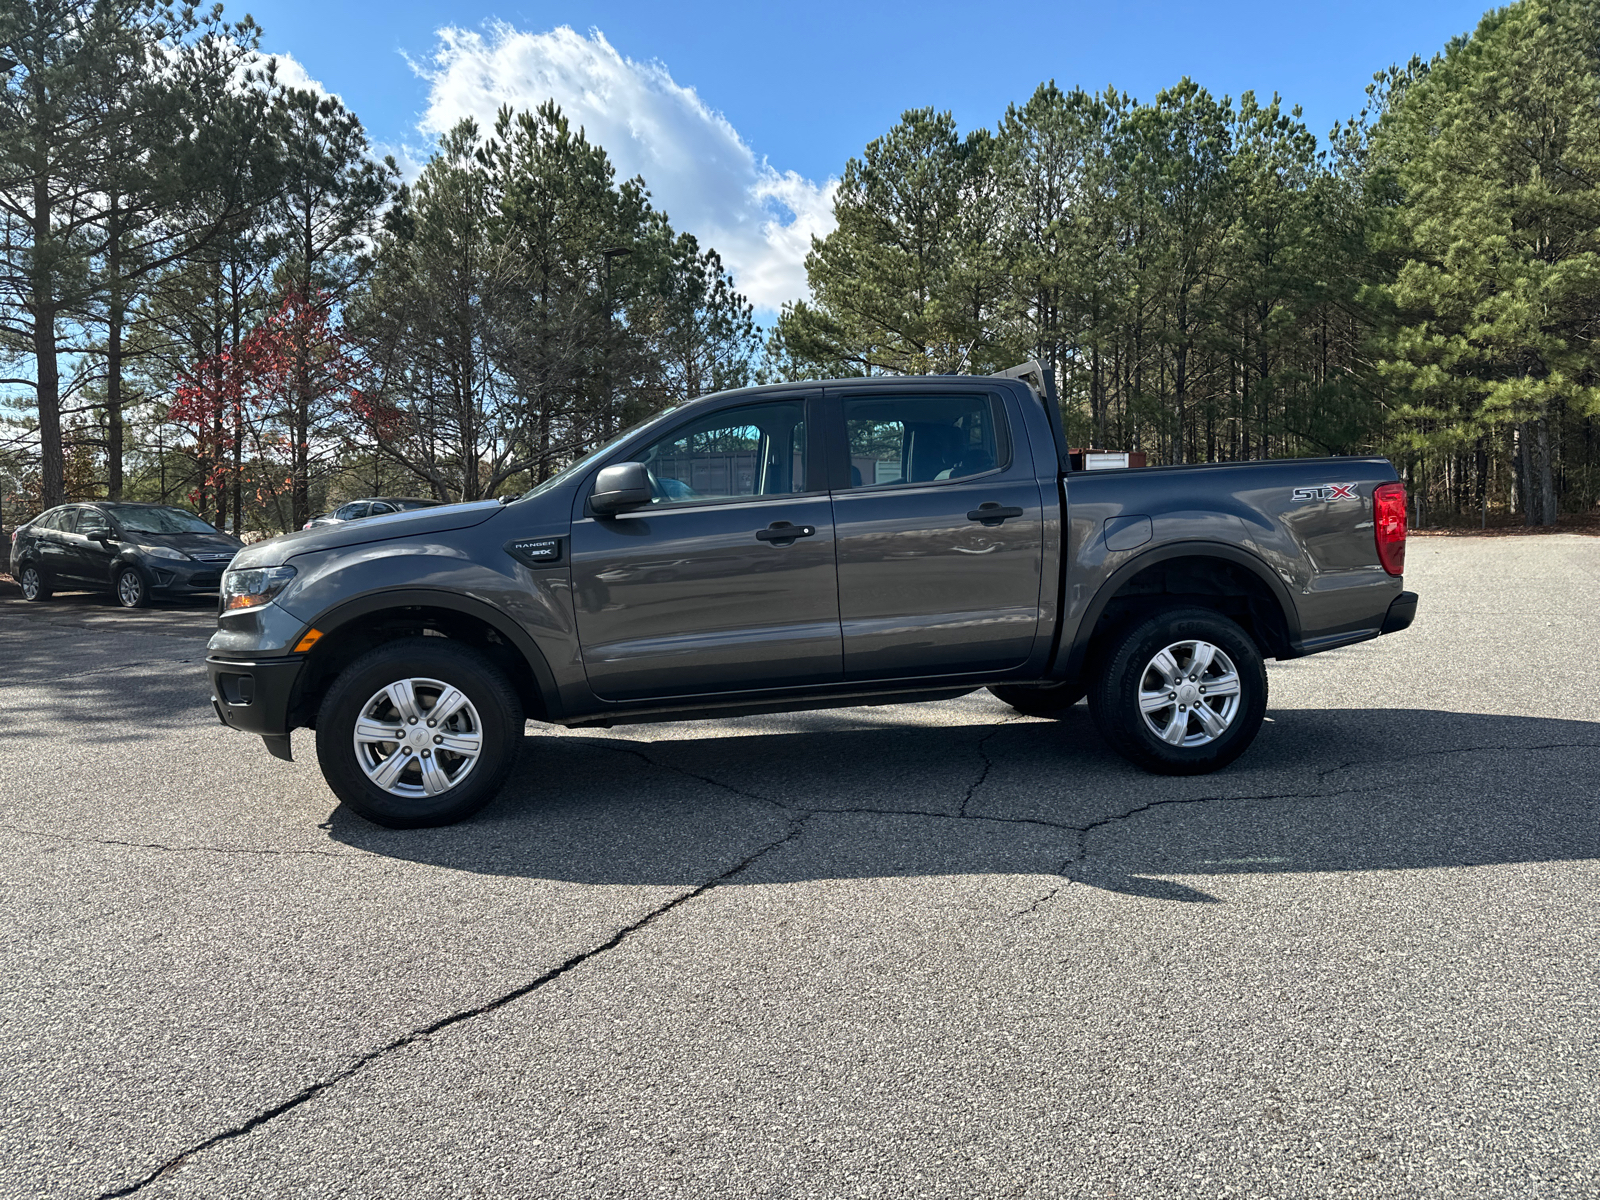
[{"x": 417, "y": 523}]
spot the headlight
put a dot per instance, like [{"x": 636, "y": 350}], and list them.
[
  {"x": 253, "y": 588},
  {"x": 162, "y": 552}
]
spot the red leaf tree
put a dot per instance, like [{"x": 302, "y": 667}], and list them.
[{"x": 288, "y": 395}]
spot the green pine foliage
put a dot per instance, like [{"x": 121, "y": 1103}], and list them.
[
  {"x": 1208, "y": 279},
  {"x": 1491, "y": 345}
]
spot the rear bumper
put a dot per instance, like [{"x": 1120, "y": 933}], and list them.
[
  {"x": 255, "y": 696},
  {"x": 1402, "y": 611}
]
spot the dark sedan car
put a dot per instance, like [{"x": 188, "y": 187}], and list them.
[
  {"x": 370, "y": 506},
  {"x": 134, "y": 551}
]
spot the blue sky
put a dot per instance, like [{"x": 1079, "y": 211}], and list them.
[{"x": 739, "y": 115}]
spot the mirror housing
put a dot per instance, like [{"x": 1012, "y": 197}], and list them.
[{"x": 618, "y": 487}]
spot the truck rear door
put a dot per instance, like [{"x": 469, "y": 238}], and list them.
[{"x": 939, "y": 532}]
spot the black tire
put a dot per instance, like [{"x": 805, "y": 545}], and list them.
[
  {"x": 1040, "y": 699},
  {"x": 130, "y": 588},
  {"x": 493, "y": 703},
  {"x": 1114, "y": 697},
  {"x": 32, "y": 583}
]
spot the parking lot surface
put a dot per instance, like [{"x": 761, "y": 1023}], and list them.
[{"x": 924, "y": 950}]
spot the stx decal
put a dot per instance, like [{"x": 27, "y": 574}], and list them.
[{"x": 1328, "y": 491}]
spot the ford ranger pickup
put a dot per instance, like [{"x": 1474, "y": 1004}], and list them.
[{"x": 801, "y": 546}]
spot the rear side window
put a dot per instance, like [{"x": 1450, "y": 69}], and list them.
[
  {"x": 921, "y": 439},
  {"x": 379, "y": 508},
  {"x": 63, "y": 519}
]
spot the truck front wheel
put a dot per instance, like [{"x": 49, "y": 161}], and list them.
[
  {"x": 1182, "y": 693},
  {"x": 417, "y": 732}
]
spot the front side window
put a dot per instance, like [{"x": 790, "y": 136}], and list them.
[
  {"x": 352, "y": 512},
  {"x": 920, "y": 439},
  {"x": 91, "y": 522},
  {"x": 757, "y": 450}
]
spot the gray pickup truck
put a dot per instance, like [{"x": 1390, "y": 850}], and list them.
[{"x": 799, "y": 546}]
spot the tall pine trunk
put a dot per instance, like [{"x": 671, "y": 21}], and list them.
[
  {"x": 1547, "y": 482},
  {"x": 52, "y": 462},
  {"x": 114, "y": 324}
]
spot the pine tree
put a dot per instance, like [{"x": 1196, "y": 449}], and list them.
[
  {"x": 1496, "y": 156},
  {"x": 909, "y": 281}
]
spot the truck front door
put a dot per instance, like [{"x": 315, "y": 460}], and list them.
[
  {"x": 726, "y": 580},
  {"x": 940, "y": 533}
]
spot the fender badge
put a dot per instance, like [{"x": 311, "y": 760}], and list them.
[
  {"x": 535, "y": 552},
  {"x": 1327, "y": 491}
]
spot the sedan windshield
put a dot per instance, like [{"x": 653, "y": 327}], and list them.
[{"x": 157, "y": 520}]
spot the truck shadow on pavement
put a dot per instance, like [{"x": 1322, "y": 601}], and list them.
[{"x": 804, "y": 799}]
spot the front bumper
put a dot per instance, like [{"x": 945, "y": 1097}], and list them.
[
  {"x": 172, "y": 578},
  {"x": 256, "y": 695}
]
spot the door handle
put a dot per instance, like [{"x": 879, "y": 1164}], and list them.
[
  {"x": 990, "y": 513},
  {"x": 781, "y": 533}
]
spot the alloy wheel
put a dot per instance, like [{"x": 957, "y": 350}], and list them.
[
  {"x": 1189, "y": 693},
  {"x": 418, "y": 737},
  {"x": 130, "y": 589}
]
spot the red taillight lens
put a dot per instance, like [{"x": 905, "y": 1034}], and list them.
[{"x": 1389, "y": 526}]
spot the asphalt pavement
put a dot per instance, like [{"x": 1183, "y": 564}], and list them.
[{"x": 933, "y": 950}]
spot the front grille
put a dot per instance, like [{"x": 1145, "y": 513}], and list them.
[{"x": 224, "y": 556}]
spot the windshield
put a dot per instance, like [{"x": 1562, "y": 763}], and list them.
[
  {"x": 157, "y": 520},
  {"x": 592, "y": 457}
]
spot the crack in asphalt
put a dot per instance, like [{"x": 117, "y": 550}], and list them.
[
  {"x": 1084, "y": 831},
  {"x": 1041, "y": 901},
  {"x": 1368, "y": 762},
  {"x": 610, "y": 744},
  {"x": 309, "y": 1093},
  {"x": 24, "y": 681},
  {"x": 799, "y": 818},
  {"x": 88, "y": 841},
  {"x": 988, "y": 765}
]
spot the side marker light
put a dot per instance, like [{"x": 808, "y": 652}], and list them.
[{"x": 312, "y": 637}]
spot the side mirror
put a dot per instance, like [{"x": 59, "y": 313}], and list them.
[
  {"x": 625, "y": 485},
  {"x": 101, "y": 535}
]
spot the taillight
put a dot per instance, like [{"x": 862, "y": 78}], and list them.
[{"x": 1389, "y": 525}]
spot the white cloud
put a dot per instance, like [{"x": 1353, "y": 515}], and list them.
[{"x": 698, "y": 169}]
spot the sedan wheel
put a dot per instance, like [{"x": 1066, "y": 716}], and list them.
[
  {"x": 32, "y": 584},
  {"x": 131, "y": 589}
]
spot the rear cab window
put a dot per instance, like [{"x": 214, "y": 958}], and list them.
[{"x": 922, "y": 439}]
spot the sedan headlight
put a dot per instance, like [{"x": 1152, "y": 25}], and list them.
[
  {"x": 162, "y": 552},
  {"x": 253, "y": 587}
]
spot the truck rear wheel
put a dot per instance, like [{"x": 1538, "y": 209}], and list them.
[
  {"x": 1040, "y": 699},
  {"x": 1182, "y": 693},
  {"x": 418, "y": 732}
]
